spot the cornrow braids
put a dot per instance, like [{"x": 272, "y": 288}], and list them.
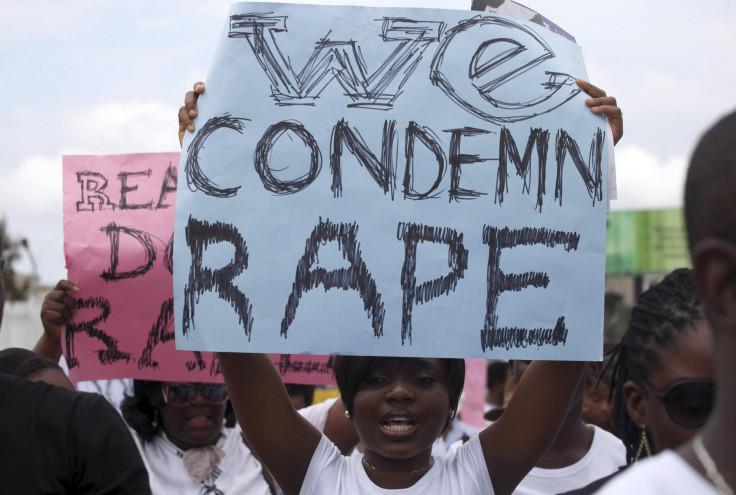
[{"x": 661, "y": 315}]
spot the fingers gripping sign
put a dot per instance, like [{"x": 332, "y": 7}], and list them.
[{"x": 188, "y": 112}]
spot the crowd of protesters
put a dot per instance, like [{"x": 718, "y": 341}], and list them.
[{"x": 663, "y": 393}]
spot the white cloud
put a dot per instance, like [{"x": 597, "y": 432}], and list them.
[
  {"x": 646, "y": 181},
  {"x": 112, "y": 128},
  {"x": 32, "y": 192},
  {"x": 32, "y": 206}
]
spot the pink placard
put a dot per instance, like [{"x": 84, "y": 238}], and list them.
[
  {"x": 118, "y": 228},
  {"x": 308, "y": 369},
  {"x": 474, "y": 392}
]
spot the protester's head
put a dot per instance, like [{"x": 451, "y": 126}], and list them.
[
  {"x": 662, "y": 379},
  {"x": 496, "y": 375},
  {"x": 29, "y": 365},
  {"x": 710, "y": 194},
  {"x": 433, "y": 386},
  {"x": 597, "y": 408},
  {"x": 710, "y": 216},
  {"x": 519, "y": 366},
  {"x": 301, "y": 395},
  {"x": 2, "y": 284},
  {"x": 191, "y": 414}
]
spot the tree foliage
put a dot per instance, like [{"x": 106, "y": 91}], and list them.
[{"x": 10, "y": 249}]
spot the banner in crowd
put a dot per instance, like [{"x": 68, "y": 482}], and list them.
[
  {"x": 399, "y": 182},
  {"x": 646, "y": 241},
  {"x": 118, "y": 226}
]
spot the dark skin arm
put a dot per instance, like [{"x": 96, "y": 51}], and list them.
[
  {"x": 58, "y": 309},
  {"x": 513, "y": 445},
  {"x": 263, "y": 408}
]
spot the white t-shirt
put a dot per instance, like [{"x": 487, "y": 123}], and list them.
[
  {"x": 459, "y": 429},
  {"x": 606, "y": 455},
  {"x": 317, "y": 413},
  {"x": 113, "y": 390},
  {"x": 237, "y": 472},
  {"x": 463, "y": 472},
  {"x": 666, "y": 472}
]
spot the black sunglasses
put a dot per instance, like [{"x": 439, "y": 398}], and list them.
[
  {"x": 183, "y": 394},
  {"x": 688, "y": 402}
]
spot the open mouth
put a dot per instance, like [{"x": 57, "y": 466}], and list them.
[
  {"x": 199, "y": 420},
  {"x": 398, "y": 425}
]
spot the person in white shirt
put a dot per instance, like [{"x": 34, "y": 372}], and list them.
[
  {"x": 662, "y": 380},
  {"x": 399, "y": 419},
  {"x": 580, "y": 454},
  {"x": 706, "y": 464},
  {"x": 191, "y": 444},
  {"x": 662, "y": 371}
]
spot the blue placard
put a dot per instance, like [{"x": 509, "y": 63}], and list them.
[{"x": 400, "y": 182}]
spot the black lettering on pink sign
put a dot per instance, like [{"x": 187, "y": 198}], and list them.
[
  {"x": 93, "y": 195},
  {"x": 144, "y": 239},
  {"x": 110, "y": 353}
]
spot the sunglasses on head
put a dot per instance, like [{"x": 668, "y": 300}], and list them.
[
  {"x": 688, "y": 402},
  {"x": 183, "y": 394}
]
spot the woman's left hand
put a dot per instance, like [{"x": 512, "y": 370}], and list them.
[{"x": 602, "y": 104}]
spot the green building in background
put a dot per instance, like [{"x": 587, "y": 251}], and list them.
[
  {"x": 649, "y": 241},
  {"x": 641, "y": 248}
]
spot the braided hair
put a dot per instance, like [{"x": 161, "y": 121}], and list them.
[{"x": 661, "y": 315}]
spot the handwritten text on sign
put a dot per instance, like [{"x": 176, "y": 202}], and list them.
[
  {"x": 118, "y": 225},
  {"x": 391, "y": 182}
]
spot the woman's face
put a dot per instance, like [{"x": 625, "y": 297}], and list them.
[
  {"x": 690, "y": 358},
  {"x": 194, "y": 425},
  {"x": 400, "y": 411},
  {"x": 596, "y": 408}
]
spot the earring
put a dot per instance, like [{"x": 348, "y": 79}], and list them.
[
  {"x": 154, "y": 422},
  {"x": 347, "y": 414},
  {"x": 452, "y": 414},
  {"x": 643, "y": 445}
]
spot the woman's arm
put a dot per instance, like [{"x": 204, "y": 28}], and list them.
[
  {"x": 280, "y": 436},
  {"x": 514, "y": 444},
  {"x": 58, "y": 309}
]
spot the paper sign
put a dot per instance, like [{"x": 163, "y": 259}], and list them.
[
  {"x": 399, "y": 182},
  {"x": 118, "y": 226},
  {"x": 118, "y": 240},
  {"x": 474, "y": 392}
]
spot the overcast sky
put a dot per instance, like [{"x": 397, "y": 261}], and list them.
[{"x": 105, "y": 77}]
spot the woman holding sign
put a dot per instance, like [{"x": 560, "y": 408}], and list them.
[
  {"x": 399, "y": 407},
  {"x": 186, "y": 442}
]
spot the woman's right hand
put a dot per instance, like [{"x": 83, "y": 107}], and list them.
[
  {"x": 189, "y": 111},
  {"x": 57, "y": 309}
]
